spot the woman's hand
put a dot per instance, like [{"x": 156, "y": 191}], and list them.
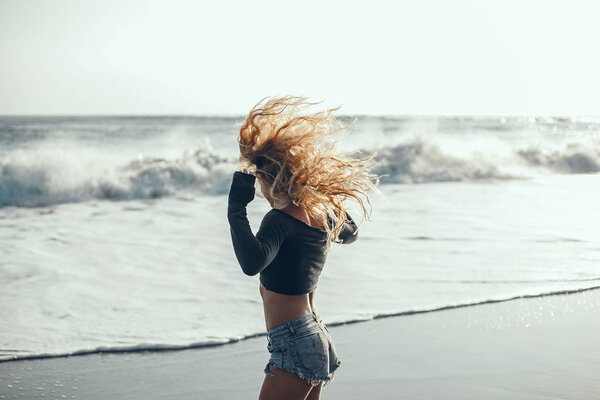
[{"x": 242, "y": 187}]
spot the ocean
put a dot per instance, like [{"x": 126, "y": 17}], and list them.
[{"x": 114, "y": 236}]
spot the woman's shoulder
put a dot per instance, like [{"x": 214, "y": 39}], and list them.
[{"x": 283, "y": 215}]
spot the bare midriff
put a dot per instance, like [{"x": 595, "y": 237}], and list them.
[{"x": 281, "y": 308}]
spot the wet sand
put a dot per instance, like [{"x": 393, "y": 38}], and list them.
[{"x": 534, "y": 348}]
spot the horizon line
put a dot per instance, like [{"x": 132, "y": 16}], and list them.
[{"x": 357, "y": 115}]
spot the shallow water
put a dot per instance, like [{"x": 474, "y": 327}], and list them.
[{"x": 113, "y": 231}]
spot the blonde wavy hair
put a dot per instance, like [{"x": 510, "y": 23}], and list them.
[{"x": 286, "y": 149}]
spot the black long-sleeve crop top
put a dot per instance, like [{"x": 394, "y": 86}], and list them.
[{"x": 287, "y": 252}]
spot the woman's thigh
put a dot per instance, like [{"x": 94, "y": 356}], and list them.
[
  {"x": 287, "y": 386},
  {"x": 315, "y": 393}
]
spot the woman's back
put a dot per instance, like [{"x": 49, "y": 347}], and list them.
[{"x": 288, "y": 253}]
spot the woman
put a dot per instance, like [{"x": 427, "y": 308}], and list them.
[{"x": 305, "y": 184}]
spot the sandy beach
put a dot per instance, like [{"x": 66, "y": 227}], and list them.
[{"x": 531, "y": 348}]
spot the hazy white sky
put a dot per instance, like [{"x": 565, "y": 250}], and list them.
[{"x": 509, "y": 57}]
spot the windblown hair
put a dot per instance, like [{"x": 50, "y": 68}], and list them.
[{"x": 287, "y": 151}]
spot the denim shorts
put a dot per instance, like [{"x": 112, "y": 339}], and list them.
[{"x": 303, "y": 346}]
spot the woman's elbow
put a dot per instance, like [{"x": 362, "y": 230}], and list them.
[
  {"x": 250, "y": 270},
  {"x": 350, "y": 238},
  {"x": 256, "y": 264}
]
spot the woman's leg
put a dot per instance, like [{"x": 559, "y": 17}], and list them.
[{"x": 285, "y": 386}]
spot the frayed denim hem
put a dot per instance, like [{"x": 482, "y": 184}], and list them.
[{"x": 312, "y": 380}]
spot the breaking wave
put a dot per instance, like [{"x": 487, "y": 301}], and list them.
[{"x": 32, "y": 179}]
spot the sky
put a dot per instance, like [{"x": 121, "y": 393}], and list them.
[{"x": 425, "y": 57}]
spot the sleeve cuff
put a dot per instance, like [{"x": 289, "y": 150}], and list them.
[{"x": 242, "y": 187}]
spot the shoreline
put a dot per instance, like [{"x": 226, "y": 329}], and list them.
[
  {"x": 528, "y": 348},
  {"x": 168, "y": 347}
]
